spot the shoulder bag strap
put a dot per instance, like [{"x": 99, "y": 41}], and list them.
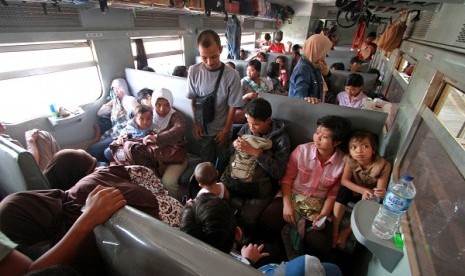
[{"x": 217, "y": 84}]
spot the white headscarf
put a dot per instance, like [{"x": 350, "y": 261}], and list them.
[{"x": 162, "y": 122}]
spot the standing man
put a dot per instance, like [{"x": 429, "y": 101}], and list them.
[{"x": 214, "y": 137}]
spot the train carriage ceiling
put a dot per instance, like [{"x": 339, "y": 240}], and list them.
[{"x": 382, "y": 8}]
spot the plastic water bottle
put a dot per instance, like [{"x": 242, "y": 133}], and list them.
[{"x": 395, "y": 204}]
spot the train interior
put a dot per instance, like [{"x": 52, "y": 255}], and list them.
[{"x": 421, "y": 125}]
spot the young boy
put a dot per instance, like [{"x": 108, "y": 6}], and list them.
[
  {"x": 355, "y": 64},
  {"x": 205, "y": 173},
  {"x": 353, "y": 95}
]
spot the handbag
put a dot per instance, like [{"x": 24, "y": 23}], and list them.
[
  {"x": 392, "y": 36},
  {"x": 205, "y": 105},
  {"x": 171, "y": 154}
]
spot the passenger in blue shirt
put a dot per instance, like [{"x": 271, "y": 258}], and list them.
[{"x": 307, "y": 78}]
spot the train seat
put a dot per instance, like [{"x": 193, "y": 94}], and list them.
[
  {"x": 18, "y": 170},
  {"x": 285, "y": 108},
  {"x": 133, "y": 243},
  {"x": 337, "y": 81}
]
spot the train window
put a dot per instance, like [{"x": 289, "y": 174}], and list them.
[
  {"x": 33, "y": 76},
  {"x": 435, "y": 233},
  {"x": 449, "y": 109},
  {"x": 161, "y": 60},
  {"x": 406, "y": 67}
]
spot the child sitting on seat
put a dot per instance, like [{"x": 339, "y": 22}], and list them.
[
  {"x": 365, "y": 176},
  {"x": 283, "y": 75},
  {"x": 205, "y": 173},
  {"x": 137, "y": 128},
  {"x": 353, "y": 95}
]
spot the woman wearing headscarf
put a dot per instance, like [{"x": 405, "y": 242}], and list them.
[
  {"x": 169, "y": 138},
  {"x": 307, "y": 78},
  {"x": 119, "y": 108}
]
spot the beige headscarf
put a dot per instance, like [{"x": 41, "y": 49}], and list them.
[{"x": 316, "y": 47}]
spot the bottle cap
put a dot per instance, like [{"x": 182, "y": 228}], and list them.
[{"x": 407, "y": 177}]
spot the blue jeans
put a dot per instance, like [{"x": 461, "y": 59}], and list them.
[
  {"x": 97, "y": 149},
  {"x": 233, "y": 35}
]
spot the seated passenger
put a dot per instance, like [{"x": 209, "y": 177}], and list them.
[
  {"x": 243, "y": 54},
  {"x": 231, "y": 64},
  {"x": 136, "y": 130},
  {"x": 252, "y": 85},
  {"x": 353, "y": 95},
  {"x": 365, "y": 176},
  {"x": 283, "y": 75},
  {"x": 39, "y": 143},
  {"x": 308, "y": 191},
  {"x": 265, "y": 165},
  {"x": 75, "y": 169},
  {"x": 277, "y": 46},
  {"x": 295, "y": 55},
  {"x": 100, "y": 204},
  {"x": 119, "y": 108},
  {"x": 337, "y": 66},
  {"x": 206, "y": 174},
  {"x": 180, "y": 71},
  {"x": 144, "y": 96},
  {"x": 212, "y": 221},
  {"x": 260, "y": 56},
  {"x": 148, "y": 69},
  {"x": 355, "y": 64},
  {"x": 272, "y": 74},
  {"x": 170, "y": 126}
]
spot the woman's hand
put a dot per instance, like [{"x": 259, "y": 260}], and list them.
[
  {"x": 253, "y": 252},
  {"x": 316, "y": 221},
  {"x": 289, "y": 213},
  {"x": 311, "y": 100},
  {"x": 149, "y": 139},
  {"x": 250, "y": 96}
]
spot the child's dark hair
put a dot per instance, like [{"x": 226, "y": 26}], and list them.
[
  {"x": 337, "y": 66},
  {"x": 262, "y": 54},
  {"x": 359, "y": 135},
  {"x": 372, "y": 34},
  {"x": 356, "y": 59},
  {"x": 211, "y": 220},
  {"x": 180, "y": 71},
  {"x": 259, "y": 109},
  {"x": 283, "y": 58},
  {"x": 355, "y": 80},
  {"x": 205, "y": 173},
  {"x": 296, "y": 48},
  {"x": 230, "y": 63},
  {"x": 141, "y": 109},
  {"x": 273, "y": 70},
  {"x": 255, "y": 64},
  {"x": 339, "y": 126},
  {"x": 267, "y": 36},
  {"x": 143, "y": 94}
]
